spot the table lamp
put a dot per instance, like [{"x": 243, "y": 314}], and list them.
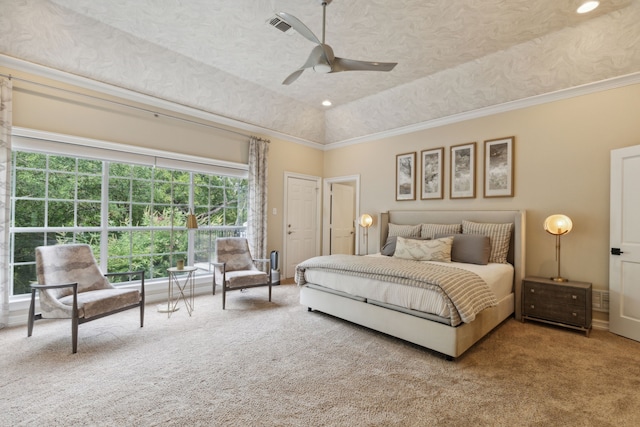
[
  {"x": 558, "y": 225},
  {"x": 365, "y": 222}
]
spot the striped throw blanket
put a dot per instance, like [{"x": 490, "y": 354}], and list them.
[{"x": 465, "y": 292}]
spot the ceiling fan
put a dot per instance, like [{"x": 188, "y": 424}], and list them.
[{"x": 321, "y": 58}]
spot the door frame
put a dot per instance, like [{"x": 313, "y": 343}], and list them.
[
  {"x": 285, "y": 214},
  {"x": 326, "y": 208},
  {"x": 620, "y": 324}
]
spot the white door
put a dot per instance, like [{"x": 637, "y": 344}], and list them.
[
  {"x": 624, "y": 268},
  {"x": 342, "y": 219},
  {"x": 302, "y": 223}
]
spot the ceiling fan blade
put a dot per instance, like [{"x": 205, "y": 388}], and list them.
[
  {"x": 293, "y": 77},
  {"x": 317, "y": 59},
  {"x": 342, "y": 64},
  {"x": 297, "y": 25}
]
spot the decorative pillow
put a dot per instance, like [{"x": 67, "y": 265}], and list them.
[
  {"x": 470, "y": 248},
  {"x": 390, "y": 245},
  {"x": 430, "y": 230},
  {"x": 424, "y": 250},
  {"x": 404, "y": 230},
  {"x": 499, "y": 235}
]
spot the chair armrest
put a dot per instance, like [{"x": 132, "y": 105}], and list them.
[
  {"x": 268, "y": 262},
  {"x": 63, "y": 285},
  {"x": 127, "y": 273},
  {"x": 130, "y": 273},
  {"x": 218, "y": 264},
  {"x": 60, "y": 286}
]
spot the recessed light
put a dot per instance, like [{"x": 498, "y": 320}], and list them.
[
  {"x": 326, "y": 103},
  {"x": 588, "y": 6}
]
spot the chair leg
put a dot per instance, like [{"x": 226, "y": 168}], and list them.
[
  {"x": 224, "y": 296},
  {"x": 269, "y": 292},
  {"x": 32, "y": 313},
  {"x": 141, "y": 314},
  {"x": 74, "y": 334}
]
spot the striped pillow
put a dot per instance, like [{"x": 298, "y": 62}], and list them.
[
  {"x": 430, "y": 230},
  {"x": 404, "y": 230},
  {"x": 499, "y": 235}
]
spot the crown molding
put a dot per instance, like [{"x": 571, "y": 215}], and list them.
[
  {"x": 108, "y": 89},
  {"x": 589, "y": 88},
  {"x": 133, "y": 96}
]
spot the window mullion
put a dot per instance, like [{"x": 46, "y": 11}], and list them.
[{"x": 104, "y": 218}]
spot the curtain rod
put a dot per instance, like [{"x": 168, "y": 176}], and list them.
[{"x": 122, "y": 104}]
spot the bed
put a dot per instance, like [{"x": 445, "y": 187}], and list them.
[{"x": 393, "y": 305}]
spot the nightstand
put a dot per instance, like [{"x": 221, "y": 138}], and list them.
[{"x": 566, "y": 304}]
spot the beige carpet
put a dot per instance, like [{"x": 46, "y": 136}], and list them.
[{"x": 275, "y": 364}]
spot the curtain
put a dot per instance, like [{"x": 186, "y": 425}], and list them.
[
  {"x": 5, "y": 195},
  {"x": 257, "y": 197}
]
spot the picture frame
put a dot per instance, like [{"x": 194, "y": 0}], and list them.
[
  {"x": 498, "y": 167},
  {"x": 432, "y": 173},
  {"x": 463, "y": 171},
  {"x": 406, "y": 176}
]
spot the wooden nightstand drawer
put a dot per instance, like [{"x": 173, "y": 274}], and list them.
[
  {"x": 558, "y": 313},
  {"x": 554, "y": 294},
  {"x": 559, "y": 303}
]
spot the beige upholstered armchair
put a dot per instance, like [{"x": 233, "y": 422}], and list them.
[
  {"x": 236, "y": 268},
  {"x": 71, "y": 286}
]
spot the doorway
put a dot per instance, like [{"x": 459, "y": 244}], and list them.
[
  {"x": 301, "y": 239},
  {"x": 624, "y": 258},
  {"x": 330, "y": 215}
]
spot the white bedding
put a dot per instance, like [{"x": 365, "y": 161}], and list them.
[{"x": 499, "y": 277}]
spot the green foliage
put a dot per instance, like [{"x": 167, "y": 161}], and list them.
[{"x": 146, "y": 223}]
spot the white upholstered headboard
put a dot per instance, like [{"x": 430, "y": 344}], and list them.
[{"x": 517, "y": 245}]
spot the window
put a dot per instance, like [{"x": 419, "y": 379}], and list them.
[{"x": 133, "y": 216}]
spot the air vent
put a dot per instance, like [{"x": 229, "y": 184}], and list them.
[
  {"x": 600, "y": 300},
  {"x": 279, "y": 24}
]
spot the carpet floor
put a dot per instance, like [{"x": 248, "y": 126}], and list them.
[{"x": 276, "y": 364}]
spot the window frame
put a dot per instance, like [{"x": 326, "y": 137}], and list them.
[{"x": 110, "y": 154}]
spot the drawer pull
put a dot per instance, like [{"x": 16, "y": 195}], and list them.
[
  {"x": 533, "y": 306},
  {"x": 533, "y": 291},
  {"x": 574, "y": 314},
  {"x": 574, "y": 296}
]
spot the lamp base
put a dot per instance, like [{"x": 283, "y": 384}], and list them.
[{"x": 559, "y": 279}]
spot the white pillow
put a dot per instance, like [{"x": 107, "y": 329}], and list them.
[{"x": 424, "y": 250}]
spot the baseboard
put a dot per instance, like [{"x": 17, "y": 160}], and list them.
[{"x": 602, "y": 325}]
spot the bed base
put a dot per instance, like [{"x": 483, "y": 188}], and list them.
[{"x": 448, "y": 340}]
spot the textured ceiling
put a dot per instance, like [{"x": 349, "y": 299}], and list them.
[{"x": 222, "y": 56}]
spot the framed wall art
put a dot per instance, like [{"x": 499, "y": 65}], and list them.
[
  {"x": 463, "y": 171},
  {"x": 406, "y": 176},
  {"x": 498, "y": 167},
  {"x": 432, "y": 173}
]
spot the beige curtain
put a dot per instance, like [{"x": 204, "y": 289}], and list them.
[
  {"x": 257, "y": 197},
  {"x": 5, "y": 195}
]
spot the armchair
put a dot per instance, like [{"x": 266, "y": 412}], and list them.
[
  {"x": 236, "y": 267},
  {"x": 71, "y": 286}
]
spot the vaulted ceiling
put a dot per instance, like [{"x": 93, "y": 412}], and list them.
[{"x": 223, "y": 56}]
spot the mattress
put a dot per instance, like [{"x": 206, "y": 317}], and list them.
[{"x": 499, "y": 278}]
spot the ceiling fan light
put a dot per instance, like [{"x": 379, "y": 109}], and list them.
[
  {"x": 326, "y": 103},
  {"x": 322, "y": 68},
  {"x": 588, "y": 6}
]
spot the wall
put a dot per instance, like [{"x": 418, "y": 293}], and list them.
[
  {"x": 561, "y": 160},
  {"x": 562, "y": 154},
  {"x": 61, "y": 111}
]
